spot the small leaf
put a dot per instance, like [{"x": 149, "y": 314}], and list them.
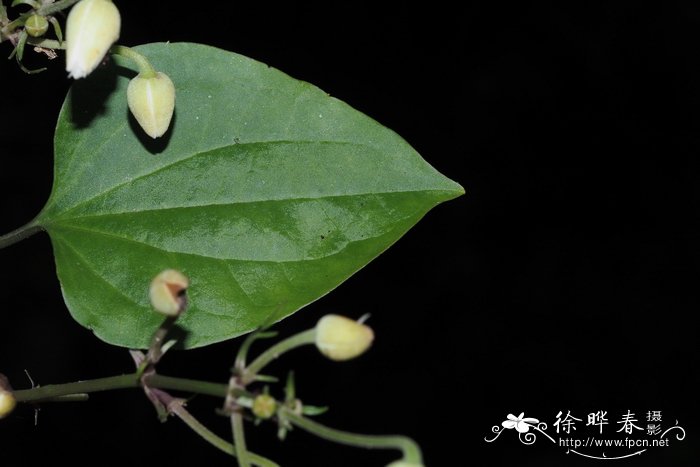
[
  {"x": 266, "y": 379},
  {"x": 312, "y": 410},
  {"x": 290, "y": 393},
  {"x": 266, "y": 192},
  {"x": 57, "y": 29}
]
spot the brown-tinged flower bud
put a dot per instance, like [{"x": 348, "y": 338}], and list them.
[
  {"x": 340, "y": 338},
  {"x": 167, "y": 292},
  {"x": 152, "y": 101},
  {"x": 91, "y": 29}
]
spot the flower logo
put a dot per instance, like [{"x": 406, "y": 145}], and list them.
[{"x": 522, "y": 425}]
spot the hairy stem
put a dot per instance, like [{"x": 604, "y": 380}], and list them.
[
  {"x": 19, "y": 234},
  {"x": 409, "y": 448},
  {"x": 133, "y": 380},
  {"x": 297, "y": 340}
]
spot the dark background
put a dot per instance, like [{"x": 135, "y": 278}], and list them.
[{"x": 564, "y": 280}]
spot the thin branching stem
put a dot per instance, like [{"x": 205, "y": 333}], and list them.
[
  {"x": 409, "y": 448},
  {"x": 215, "y": 440},
  {"x": 297, "y": 340}
]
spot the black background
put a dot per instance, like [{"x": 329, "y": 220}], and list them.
[{"x": 564, "y": 280}]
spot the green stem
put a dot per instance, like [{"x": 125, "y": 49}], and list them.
[
  {"x": 133, "y": 380},
  {"x": 215, "y": 440},
  {"x": 409, "y": 448},
  {"x": 70, "y": 398},
  {"x": 51, "y": 391},
  {"x": 297, "y": 340},
  {"x": 188, "y": 385},
  {"x": 239, "y": 439},
  {"x": 146, "y": 70},
  {"x": 19, "y": 234}
]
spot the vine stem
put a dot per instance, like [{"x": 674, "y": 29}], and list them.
[
  {"x": 297, "y": 340},
  {"x": 215, "y": 440},
  {"x": 239, "y": 438},
  {"x": 132, "y": 380},
  {"x": 19, "y": 234},
  {"x": 79, "y": 390},
  {"x": 409, "y": 448}
]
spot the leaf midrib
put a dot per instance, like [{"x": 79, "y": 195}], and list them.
[
  {"x": 64, "y": 219},
  {"x": 64, "y": 226},
  {"x": 184, "y": 159}
]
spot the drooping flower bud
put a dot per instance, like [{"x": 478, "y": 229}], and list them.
[
  {"x": 167, "y": 292},
  {"x": 36, "y": 25},
  {"x": 152, "y": 101},
  {"x": 340, "y": 338},
  {"x": 91, "y": 29}
]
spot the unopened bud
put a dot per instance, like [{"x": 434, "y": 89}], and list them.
[
  {"x": 340, "y": 338},
  {"x": 167, "y": 292},
  {"x": 7, "y": 399},
  {"x": 404, "y": 464},
  {"x": 264, "y": 406},
  {"x": 36, "y": 25},
  {"x": 91, "y": 29},
  {"x": 152, "y": 101},
  {"x": 7, "y": 403}
]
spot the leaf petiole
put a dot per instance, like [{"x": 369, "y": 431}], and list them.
[{"x": 20, "y": 234}]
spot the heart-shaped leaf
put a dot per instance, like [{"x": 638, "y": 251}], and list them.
[{"x": 266, "y": 192}]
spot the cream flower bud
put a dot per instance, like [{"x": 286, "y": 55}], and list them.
[
  {"x": 91, "y": 29},
  {"x": 36, "y": 25},
  {"x": 167, "y": 292},
  {"x": 340, "y": 338},
  {"x": 152, "y": 101},
  {"x": 7, "y": 403},
  {"x": 404, "y": 464}
]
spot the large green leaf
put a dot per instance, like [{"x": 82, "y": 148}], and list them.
[{"x": 267, "y": 193}]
